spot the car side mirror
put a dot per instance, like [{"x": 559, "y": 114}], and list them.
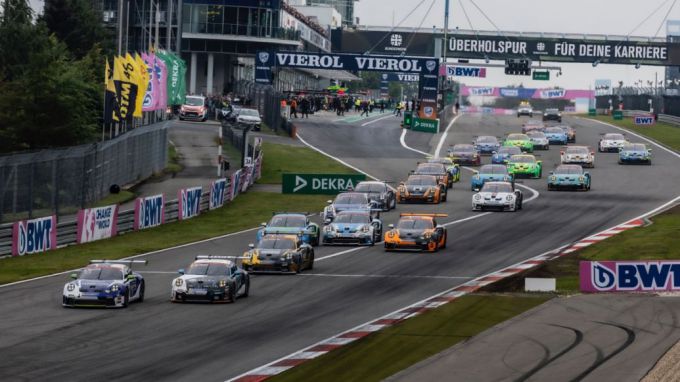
[
  {"x": 552, "y": 172},
  {"x": 401, "y": 183},
  {"x": 181, "y": 271},
  {"x": 329, "y": 201},
  {"x": 391, "y": 226},
  {"x": 494, "y": 153},
  {"x": 74, "y": 276},
  {"x": 130, "y": 277},
  {"x": 263, "y": 224},
  {"x": 592, "y": 153},
  {"x": 328, "y": 221},
  {"x": 251, "y": 246},
  {"x": 649, "y": 150}
]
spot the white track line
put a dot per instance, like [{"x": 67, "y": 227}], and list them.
[
  {"x": 334, "y": 158},
  {"x": 339, "y": 253},
  {"x": 389, "y": 276},
  {"x": 677, "y": 155},
  {"x": 404, "y": 145},
  {"x": 443, "y": 138},
  {"x": 376, "y": 120}
]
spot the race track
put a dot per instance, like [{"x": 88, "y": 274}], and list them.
[{"x": 160, "y": 341}]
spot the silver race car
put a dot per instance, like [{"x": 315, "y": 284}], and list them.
[{"x": 105, "y": 283}]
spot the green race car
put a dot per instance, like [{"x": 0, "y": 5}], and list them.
[
  {"x": 520, "y": 140},
  {"x": 525, "y": 165}
]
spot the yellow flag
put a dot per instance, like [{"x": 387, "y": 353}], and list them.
[
  {"x": 125, "y": 83},
  {"x": 143, "y": 81},
  {"x": 138, "y": 80}
]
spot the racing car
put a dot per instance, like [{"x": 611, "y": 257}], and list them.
[
  {"x": 353, "y": 227},
  {"x": 569, "y": 176},
  {"x": 291, "y": 223},
  {"x": 486, "y": 144},
  {"x": 501, "y": 196},
  {"x": 635, "y": 153},
  {"x": 346, "y": 201},
  {"x": 416, "y": 231},
  {"x": 525, "y": 109},
  {"x": 211, "y": 279},
  {"x": 556, "y": 135},
  {"x": 451, "y": 167},
  {"x": 421, "y": 188},
  {"x": 379, "y": 193},
  {"x": 504, "y": 153},
  {"x": 519, "y": 140},
  {"x": 464, "y": 154},
  {"x": 611, "y": 143},
  {"x": 578, "y": 155},
  {"x": 436, "y": 169},
  {"x": 571, "y": 133},
  {"x": 532, "y": 124},
  {"x": 552, "y": 115},
  {"x": 539, "y": 140},
  {"x": 279, "y": 254},
  {"x": 105, "y": 283},
  {"x": 490, "y": 173},
  {"x": 525, "y": 165}
]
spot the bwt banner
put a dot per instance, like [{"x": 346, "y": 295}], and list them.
[
  {"x": 481, "y": 91},
  {"x": 234, "y": 184},
  {"x": 644, "y": 120},
  {"x": 462, "y": 71},
  {"x": 517, "y": 92},
  {"x": 34, "y": 236},
  {"x": 217, "y": 191},
  {"x": 629, "y": 276},
  {"x": 149, "y": 211},
  {"x": 189, "y": 202},
  {"x": 97, "y": 223},
  {"x": 526, "y": 93}
]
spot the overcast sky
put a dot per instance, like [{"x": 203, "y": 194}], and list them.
[{"x": 612, "y": 17}]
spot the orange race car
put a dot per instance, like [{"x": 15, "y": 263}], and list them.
[
  {"x": 436, "y": 169},
  {"x": 421, "y": 188},
  {"x": 416, "y": 231}
]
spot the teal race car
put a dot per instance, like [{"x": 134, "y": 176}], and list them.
[
  {"x": 520, "y": 140},
  {"x": 490, "y": 173},
  {"x": 525, "y": 165},
  {"x": 291, "y": 223},
  {"x": 569, "y": 177}
]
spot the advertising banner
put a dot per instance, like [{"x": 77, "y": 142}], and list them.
[
  {"x": 330, "y": 184},
  {"x": 380, "y": 42},
  {"x": 189, "y": 200},
  {"x": 462, "y": 71},
  {"x": 34, "y": 236},
  {"x": 350, "y": 62},
  {"x": 235, "y": 183},
  {"x": 246, "y": 176},
  {"x": 644, "y": 119},
  {"x": 426, "y": 125},
  {"x": 263, "y": 68},
  {"x": 629, "y": 276},
  {"x": 526, "y": 93},
  {"x": 97, "y": 223},
  {"x": 149, "y": 211},
  {"x": 401, "y": 77},
  {"x": 516, "y": 92},
  {"x": 217, "y": 193}
]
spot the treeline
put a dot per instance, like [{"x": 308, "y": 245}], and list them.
[{"x": 51, "y": 81}]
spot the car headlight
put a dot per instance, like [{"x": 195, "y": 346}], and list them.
[
  {"x": 508, "y": 198},
  {"x": 390, "y": 234},
  {"x": 365, "y": 228},
  {"x": 427, "y": 235},
  {"x": 553, "y": 178},
  {"x": 329, "y": 228},
  {"x": 70, "y": 287},
  {"x": 114, "y": 288},
  {"x": 581, "y": 179},
  {"x": 179, "y": 282},
  {"x": 222, "y": 283},
  {"x": 476, "y": 177},
  {"x": 477, "y": 196}
]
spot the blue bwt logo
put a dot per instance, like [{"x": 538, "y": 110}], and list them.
[
  {"x": 217, "y": 193},
  {"x": 644, "y": 120},
  {"x": 34, "y": 236},
  {"x": 151, "y": 212},
  {"x": 191, "y": 202},
  {"x": 648, "y": 276},
  {"x": 603, "y": 278}
]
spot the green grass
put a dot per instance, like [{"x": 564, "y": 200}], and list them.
[
  {"x": 389, "y": 351},
  {"x": 667, "y": 134},
  {"x": 173, "y": 166},
  {"x": 122, "y": 197},
  {"x": 232, "y": 155},
  {"x": 279, "y": 159},
  {"x": 246, "y": 211},
  {"x": 265, "y": 129}
]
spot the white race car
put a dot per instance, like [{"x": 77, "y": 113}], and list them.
[
  {"x": 578, "y": 155},
  {"x": 105, "y": 283},
  {"x": 211, "y": 279},
  {"x": 498, "y": 196},
  {"x": 611, "y": 142}
]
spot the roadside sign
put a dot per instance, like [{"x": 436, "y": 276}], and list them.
[
  {"x": 319, "y": 183},
  {"x": 644, "y": 119},
  {"x": 426, "y": 125},
  {"x": 592, "y": 112},
  {"x": 541, "y": 76},
  {"x": 408, "y": 119},
  {"x": 617, "y": 114}
]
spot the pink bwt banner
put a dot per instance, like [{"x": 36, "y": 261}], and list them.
[
  {"x": 189, "y": 200},
  {"x": 629, "y": 276},
  {"x": 149, "y": 211},
  {"x": 34, "y": 236},
  {"x": 97, "y": 223}
]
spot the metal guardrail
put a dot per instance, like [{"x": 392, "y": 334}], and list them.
[{"x": 669, "y": 119}]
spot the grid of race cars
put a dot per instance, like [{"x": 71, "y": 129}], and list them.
[{"x": 286, "y": 243}]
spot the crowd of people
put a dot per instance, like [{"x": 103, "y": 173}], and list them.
[{"x": 301, "y": 106}]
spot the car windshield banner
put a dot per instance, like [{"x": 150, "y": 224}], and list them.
[
  {"x": 34, "y": 236},
  {"x": 149, "y": 211},
  {"x": 218, "y": 189},
  {"x": 189, "y": 202},
  {"x": 97, "y": 223},
  {"x": 629, "y": 276}
]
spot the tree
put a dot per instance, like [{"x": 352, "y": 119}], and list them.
[{"x": 77, "y": 24}]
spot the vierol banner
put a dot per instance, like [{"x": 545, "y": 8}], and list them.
[
  {"x": 349, "y": 62},
  {"x": 401, "y": 77}
]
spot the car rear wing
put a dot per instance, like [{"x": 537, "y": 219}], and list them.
[
  {"x": 125, "y": 262},
  {"x": 423, "y": 214},
  {"x": 213, "y": 257},
  {"x": 290, "y": 213}
]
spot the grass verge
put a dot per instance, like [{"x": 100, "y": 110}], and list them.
[
  {"x": 173, "y": 166},
  {"x": 389, "y": 351},
  {"x": 122, "y": 197},
  {"x": 667, "y": 134},
  {"x": 246, "y": 211},
  {"x": 279, "y": 159}
]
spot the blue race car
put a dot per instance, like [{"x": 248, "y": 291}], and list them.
[
  {"x": 635, "y": 153},
  {"x": 490, "y": 173},
  {"x": 504, "y": 153},
  {"x": 569, "y": 176},
  {"x": 291, "y": 223},
  {"x": 486, "y": 144},
  {"x": 105, "y": 283},
  {"x": 353, "y": 227},
  {"x": 556, "y": 136},
  {"x": 347, "y": 201}
]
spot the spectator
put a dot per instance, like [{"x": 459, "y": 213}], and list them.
[{"x": 293, "y": 108}]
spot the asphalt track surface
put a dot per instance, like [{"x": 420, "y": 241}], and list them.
[{"x": 158, "y": 340}]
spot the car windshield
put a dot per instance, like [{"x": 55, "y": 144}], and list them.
[
  {"x": 276, "y": 243},
  {"x": 554, "y": 130},
  {"x": 487, "y": 139},
  {"x": 208, "y": 269},
  {"x": 411, "y": 223},
  {"x": 569, "y": 170},
  {"x": 249, "y": 113},
  {"x": 288, "y": 221},
  {"x": 351, "y": 218},
  {"x": 370, "y": 187},
  {"x": 552, "y": 111},
  {"x": 101, "y": 273},
  {"x": 421, "y": 181},
  {"x": 351, "y": 199},
  {"x": 614, "y": 137},
  {"x": 194, "y": 101},
  {"x": 522, "y": 159},
  {"x": 635, "y": 147},
  {"x": 510, "y": 150},
  {"x": 463, "y": 148},
  {"x": 430, "y": 168},
  {"x": 493, "y": 169},
  {"x": 536, "y": 134},
  {"x": 577, "y": 150},
  {"x": 518, "y": 137},
  {"x": 496, "y": 187}
]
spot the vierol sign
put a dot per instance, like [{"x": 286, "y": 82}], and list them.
[
  {"x": 352, "y": 62},
  {"x": 629, "y": 276},
  {"x": 319, "y": 183},
  {"x": 34, "y": 236},
  {"x": 97, "y": 223},
  {"x": 149, "y": 211},
  {"x": 189, "y": 202}
]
